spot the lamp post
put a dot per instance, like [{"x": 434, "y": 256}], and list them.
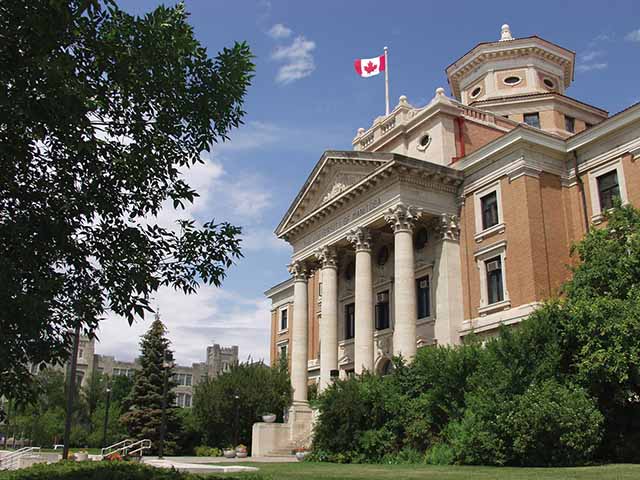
[
  {"x": 163, "y": 425},
  {"x": 236, "y": 398},
  {"x": 106, "y": 418}
]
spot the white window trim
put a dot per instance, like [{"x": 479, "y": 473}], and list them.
[
  {"x": 477, "y": 206},
  {"x": 596, "y": 210},
  {"x": 280, "y": 310},
  {"x": 482, "y": 255}
]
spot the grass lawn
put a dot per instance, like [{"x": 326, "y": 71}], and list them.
[{"x": 313, "y": 471}]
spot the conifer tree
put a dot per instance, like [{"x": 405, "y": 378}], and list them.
[{"x": 143, "y": 417}]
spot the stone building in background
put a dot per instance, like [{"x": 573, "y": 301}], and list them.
[
  {"x": 218, "y": 360},
  {"x": 445, "y": 219}
]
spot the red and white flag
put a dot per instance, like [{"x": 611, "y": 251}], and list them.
[{"x": 368, "y": 67}]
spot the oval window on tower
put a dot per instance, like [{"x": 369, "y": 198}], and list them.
[
  {"x": 424, "y": 142},
  {"x": 476, "y": 92},
  {"x": 512, "y": 80},
  {"x": 549, "y": 83}
]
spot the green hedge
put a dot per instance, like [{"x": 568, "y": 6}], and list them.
[{"x": 105, "y": 471}]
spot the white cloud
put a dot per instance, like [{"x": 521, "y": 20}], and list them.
[
  {"x": 193, "y": 322},
  {"x": 261, "y": 238},
  {"x": 633, "y": 36},
  {"x": 589, "y": 56},
  {"x": 296, "y": 58},
  {"x": 251, "y": 136},
  {"x": 587, "y": 67},
  {"x": 279, "y": 31}
]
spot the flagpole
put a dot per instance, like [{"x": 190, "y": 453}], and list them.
[{"x": 386, "y": 79}]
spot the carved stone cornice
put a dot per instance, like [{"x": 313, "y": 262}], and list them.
[
  {"x": 299, "y": 271},
  {"x": 403, "y": 217},
  {"x": 449, "y": 227},
  {"x": 360, "y": 238},
  {"x": 328, "y": 257}
]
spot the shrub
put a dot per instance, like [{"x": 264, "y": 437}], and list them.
[
  {"x": 405, "y": 456},
  {"x": 554, "y": 425},
  {"x": 205, "y": 451},
  {"x": 103, "y": 471},
  {"x": 439, "y": 454}
]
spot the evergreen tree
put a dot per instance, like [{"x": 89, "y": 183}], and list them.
[{"x": 143, "y": 417}]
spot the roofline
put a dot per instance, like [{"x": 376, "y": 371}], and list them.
[
  {"x": 397, "y": 160},
  {"x": 524, "y": 132},
  {"x": 500, "y": 42},
  {"x": 541, "y": 94},
  {"x": 353, "y": 154},
  {"x": 279, "y": 287}
]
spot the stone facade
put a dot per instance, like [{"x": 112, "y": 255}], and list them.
[
  {"x": 218, "y": 360},
  {"x": 451, "y": 218}
]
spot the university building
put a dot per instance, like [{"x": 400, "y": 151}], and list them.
[
  {"x": 446, "y": 219},
  {"x": 218, "y": 360}
]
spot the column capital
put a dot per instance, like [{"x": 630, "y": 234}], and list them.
[
  {"x": 299, "y": 271},
  {"x": 403, "y": 217},
  {"x": 328, "y": 257},
  {"x": 360, "y": 238},
  {"x": 449, "y": 226}
]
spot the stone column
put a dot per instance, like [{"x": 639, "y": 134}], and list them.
[
  {"x": 402, "y": 219},
  {"x": 329, "y": 315},
  {"x": 363, "y": 348},
  {"x": 299, "y": 332},
  {"x": 446, "y": 281}
]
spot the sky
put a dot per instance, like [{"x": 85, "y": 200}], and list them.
[{"x": 306, "y": 98}]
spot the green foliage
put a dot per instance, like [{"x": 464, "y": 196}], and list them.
[
  {"x": 244, "y": 392},
  {"x": 107, "y": 111},
  {"x": 143, "y": 407},
  {"x": 439, "y": 454},
  {"x": 104, "y": 471},
  {"x": 204, "y": 451},
  {"x": 554, "y": 425}
]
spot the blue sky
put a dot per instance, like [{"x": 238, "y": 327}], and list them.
[{"x": 306, "y": 98}]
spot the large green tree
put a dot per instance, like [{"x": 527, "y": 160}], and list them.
[
  {"x": 227, "y": 406},
  {"x": 101, "y": 112},
  {"x": 143, "y": 407}
]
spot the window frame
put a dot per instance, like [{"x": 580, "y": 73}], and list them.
[
  {"x": 377, "y": 310},
  {"x": 348, "y": 330},
  {"x": 481, "y": 232},
  {"x": 490, "y": 274},
  {"x": 596, "y": 208},
  {"x": 423, "y": 276},
  {"x": 283, "y": 310},
  {"x": 483, "y": 255},
  {"x": 536, "y": 114},
  {"x": 568, "y": 119}
]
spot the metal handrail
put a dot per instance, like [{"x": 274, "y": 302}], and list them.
[
  {"x": 11, "y": 460},
  {"x": 116, "y": 446},
  {"x": 129, "y": 447}
]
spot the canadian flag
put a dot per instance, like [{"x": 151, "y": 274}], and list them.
[{"x": 368, "y": 67}]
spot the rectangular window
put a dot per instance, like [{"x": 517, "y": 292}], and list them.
[
  {"x": 489, "y": 206},
  {"x": 283, "y": 351},
  {"x": 188, "y": 379},
  {"x": 80, "y": 353},
  {"x": 532, "y": 119},
  {"x": 284, "y": 319},
  {"x": 569, "y": 124},
  {"x": 424, "y": 303},
  {"x": 495, "y": 292},
  {"x": 187, "y": 401},
  {"x": 382, "y": 311},
  {"x": 608, "y": 189},
  {"x": 349, "y": 320},
  {"x": 320, "y": 289}
]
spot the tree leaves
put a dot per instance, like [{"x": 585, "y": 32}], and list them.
[{"x": 100, "y": 112}]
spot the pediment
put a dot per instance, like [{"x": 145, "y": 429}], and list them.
[{"x": 336, "y": 172}]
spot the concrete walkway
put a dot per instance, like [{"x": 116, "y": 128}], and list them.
[
  {"x": 208, "y": 460},
  {"x": 183, "y": 466}
]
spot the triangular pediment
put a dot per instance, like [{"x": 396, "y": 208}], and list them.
[{"x": 335, "y": 173}]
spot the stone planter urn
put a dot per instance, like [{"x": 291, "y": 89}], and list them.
[
  {"x": 229, "y": 453},
  {"x": 241, "y": 454},
  {"x": 81, "y": 456},
  {"x": 269, "y": 417},
  {"x": 300, "y": 456}
]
